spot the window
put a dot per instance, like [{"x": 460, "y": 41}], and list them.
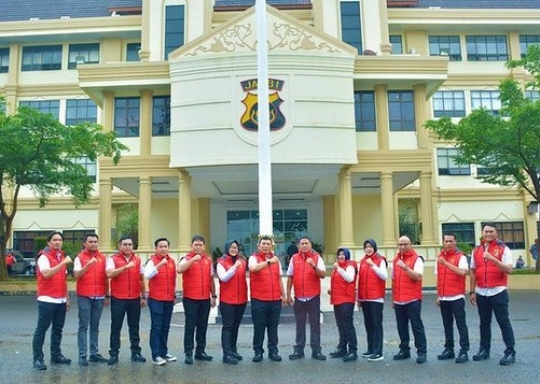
[
  {"x": 447, "y": 164},
  {"x": 449, "y": 103},
  {"x": 132, "y": 51},
  {"x": 401, "y": 110},
  {"x": 25, "y": 241},
  {"x": 351, "y": 25},
  {"x": 44, "y": 106},
  {"x": 75, "y": 238},
  {"x": 512, "y": 233},
  {"x": 126, "y": 116},
  {"x": 42, "y": 58},
  {"x": 83, "y": 54},
  {"x": 463, "y": 231},
  {"x": 161, "y": 116},
  {"x": 532, "y": 95},
  {"x": 397, "y": 44},
  {"x": 364, "y": 110},
  {"x": 81, "y": 111},
  {"x": 525, "y": 41},
  {"x": 174, "y": 28},
  {"x": 486, "y": 48},
  {"x": 445, "y": 46},
  {"x": 288, "y": 225},
  {"x": 89, "y": 165},
  {"x": 488, "y": 100},
  {"x": 4, "y": 60}
]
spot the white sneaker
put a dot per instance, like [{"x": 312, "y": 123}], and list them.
[
  {"x": 159, "y": 361},
  {"x": 169, "y": 358}
]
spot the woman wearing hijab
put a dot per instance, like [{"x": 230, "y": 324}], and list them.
[
  {"x": 231, "y": 271},
  {"x": 342, "y": 296}
]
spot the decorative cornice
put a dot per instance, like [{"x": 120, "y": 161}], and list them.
[{"x": 393, "y": 161}]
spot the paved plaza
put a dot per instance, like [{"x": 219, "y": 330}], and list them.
[{"x": 18, "y": 316}]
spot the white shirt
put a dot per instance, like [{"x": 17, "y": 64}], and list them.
[
  {"x": 505, "y": 259},
  {"x": 111, "y": 265},
  {"x": 462, "y": 264},
  {"x": 290, "y": 273},
  {"x": 43, "y": 264},
  {"x": 223, "y": 274}
]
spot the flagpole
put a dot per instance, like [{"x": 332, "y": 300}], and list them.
[{"x": 263, "y": 118}]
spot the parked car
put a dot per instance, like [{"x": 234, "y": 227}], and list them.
[{"x": 23, "y": 265}]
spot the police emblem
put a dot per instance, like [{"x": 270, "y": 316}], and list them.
[{"x": 249, "y": 119}]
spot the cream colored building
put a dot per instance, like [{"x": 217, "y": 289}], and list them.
[{"x": 352, "y": 83}]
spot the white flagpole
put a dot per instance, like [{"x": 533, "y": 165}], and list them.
[{"x": 265, "y": 162}]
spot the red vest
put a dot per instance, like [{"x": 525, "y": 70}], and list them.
[
  {"x": 56, "y": 286},
  {"x": 371, "y": 286},
  {"x": 342, "y": 291},
  {"x": 265, "y": 285},
  {"x": 405, "y": 289},
  {"x": 94, "y": 282},
  {"x": 196, "y": 279},
  {"x": 450, "y": 283},
  {"x": 235, "y": 290},
  {"x": 127, "y": 285},
  {"x": 162, "y": 286},
  {"x": 306, "y": 283},
  {"x": 487, "y": 274}
]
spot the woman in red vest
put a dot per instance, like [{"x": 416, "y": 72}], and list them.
[
  {"x": 342, "y": 296},
  {"x": 231, "y": 271}
]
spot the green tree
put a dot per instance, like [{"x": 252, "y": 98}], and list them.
[
  {"x": 506, "y": 145},
  {"x": 127, "y": 223},
  {"x": 40, "y": 153}
]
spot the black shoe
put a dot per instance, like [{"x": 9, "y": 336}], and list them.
[
  {"x": 462, "y": 357},
  {"x": 353, "y": 356},
  {"x": 274, "y": 357},
  {"x": 483, "y": 354},
  {"x": 40, "y": 365},
  {"x": 138, "y": 358},
  {"x": 231, "y": 360},
  {"x": 60, "y": 359},
  {"x": 318, "y": 356},
  {"x": 188, "y": 360},
  {"x": 421, "y": 358},
  {"x": 296, "y": 355},
  {"x": 509, "y": 358},
  {"x": 97, "y": 359},
  {"x": 203, "y": 356},
  {"x": 113, "y": 360},
  {"x": 402, "y": 355},
  {"x": 257, "y": 358},
  {"x": 375, "y": 357},
  {"x": 337, "y": 353},
  {"x": 447, "y": 354},
  {"x": 367, "y": 354},
  {"x": 237, "y": 356},
  {"x": 83, "y": 362}
]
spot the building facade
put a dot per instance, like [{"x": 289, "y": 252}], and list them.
[{"x": 351, "y": 86}]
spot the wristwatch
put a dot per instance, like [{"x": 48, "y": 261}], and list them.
[
  {"x": 472, "y": 293},
  {"x": 268, "y": 262}
]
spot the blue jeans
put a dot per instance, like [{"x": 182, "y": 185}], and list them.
[
  {"x": 89, "y": 313},
  {"x": 48, "y": 314},
  {"x": 160, "y": 315}
]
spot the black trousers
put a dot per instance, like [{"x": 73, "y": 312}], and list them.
[
  {"x": 196, "y": 313},
  {"x": 119, "y": 309},
  {"x": 451, "y": 310},
  {"x": 498, "y": 305},
  {"x": 303, "y": 310},
  {"x": 404, "y": 314},
  {"x": 265, "y": 316},
  {"x": 347, "y": 333},
  {"x": 231, "y": 317},
  {"x": 373, "y": 322},
  {"x": 49, "y": 313}
]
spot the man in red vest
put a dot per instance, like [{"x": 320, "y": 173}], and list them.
[
  {"x": 160, "y": 271},
  {"x": 92, "y": 296},
  {"x": 199, "y": 295},
  {"x": 10, "y": 262},
  {"x": 407, "y": 272},
  {"x": 53, "y": 300},
  {"x": 233, "y": 297},
  {"x": 267, "y": 297},
  {"x": 125, "y": 270},
  {"x": 451, "y": 269},
  {"x": 306, "y": 269},
  {"x": 491, "y": 263}
]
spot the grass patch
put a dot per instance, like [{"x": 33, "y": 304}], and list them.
[{"x": 524, "y": 271}]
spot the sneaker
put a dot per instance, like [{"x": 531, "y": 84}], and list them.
[
  {"x": 509, "y": 358},
  {"x": 170, "y": 359},
  {"x": 60, "y": 359},
  {"x": 97, "y": 359},
  {"x": 40, "y": 365},
  {"x": 138, "y": 358},
  {"x": 83, "y": 362},
  {"x": 367, "y": 354},
  {"x": 375, "y": 357},
  {"x": 462, "y": 357},
  {"x": 447, "y": 354},
  {"x": 188, "y": 359},
  {"x": 113, "y": 360},
  {"x": 421, "y": 358},
  {"x": 159, "y": 361},
  {"x": 402, "y": 355}
]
